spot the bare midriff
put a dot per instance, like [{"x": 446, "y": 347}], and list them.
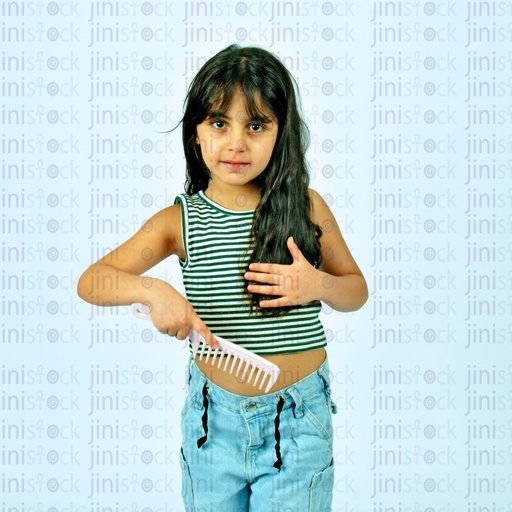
[{"x": 293, "y": 367}]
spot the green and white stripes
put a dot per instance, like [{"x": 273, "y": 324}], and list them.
[{"x": 216, "y": 244}]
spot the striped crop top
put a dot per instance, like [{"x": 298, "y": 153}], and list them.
[{"x": 216, "y": 240}]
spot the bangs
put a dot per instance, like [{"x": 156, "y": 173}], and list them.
[
  {"x": 222, "y": 96},
  {"x": 264, "y": 83}
]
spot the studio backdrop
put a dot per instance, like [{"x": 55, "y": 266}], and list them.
[{"x": 409, "y": 105}]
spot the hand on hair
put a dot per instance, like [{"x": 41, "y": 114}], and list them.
[{"x": 293, "y": 284}]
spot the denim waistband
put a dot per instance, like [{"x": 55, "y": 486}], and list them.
[{"x": 292, "y": 395}]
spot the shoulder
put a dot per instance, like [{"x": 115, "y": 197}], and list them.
[
  {"x": 166, "y": 226},
  {"x": 167, "y": 221},
  {"x": 167, "y": 213},
  {"x": 190, "y": 202},
  {"x": 319, "y": 208},
  {"x": 315, "y": 197}
]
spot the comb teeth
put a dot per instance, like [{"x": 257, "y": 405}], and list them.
[
  {"x": 246, "y": 365},
  {"x": 242, "y": 366},
  {"x": 260, "y": 368}
]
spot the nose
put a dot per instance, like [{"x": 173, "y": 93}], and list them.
[
  {"x": 237, "y": 139},
  {"x": 237, "y": 142},
  {"x": 238, "y": 146}
]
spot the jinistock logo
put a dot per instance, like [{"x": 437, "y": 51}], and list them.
[{"x": 408, "y": 108}]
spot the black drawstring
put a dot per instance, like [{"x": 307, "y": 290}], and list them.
[
  {"x": 280, "y": 405},
  {"x": 202, "y": 440},
  {"x": 278, "y": 463}
]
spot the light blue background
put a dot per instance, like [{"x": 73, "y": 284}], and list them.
[{"x": 421, "y": 375}]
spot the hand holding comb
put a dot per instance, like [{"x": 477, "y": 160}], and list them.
[{"x": 229, "y": 355}]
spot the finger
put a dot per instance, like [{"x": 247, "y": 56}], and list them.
[
  {"x": 267, "y": 268},
  {"x": 265, "y": 290},
  {"x": 293, "y": 248},
  {"x": 205, "y": 333},
  {"x": 263, "y": 278},
  {"x": 276, "y": 303},
  {"x": 181, "y": 334}
]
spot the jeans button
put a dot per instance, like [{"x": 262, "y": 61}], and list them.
[{"x": 250, "y": 407}]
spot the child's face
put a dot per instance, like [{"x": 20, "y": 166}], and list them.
[{"x": 235, "y": 148}]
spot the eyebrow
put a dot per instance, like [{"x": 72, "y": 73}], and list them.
[{"x": 219, "y": 114}]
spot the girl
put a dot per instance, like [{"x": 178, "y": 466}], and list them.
[{"x": 258, "y": 252}]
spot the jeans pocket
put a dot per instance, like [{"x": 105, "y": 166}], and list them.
[
  {"x": 187, "y": 491},
  {"x": 318, "y": 412},
  {"x": 320, "y": 490}
]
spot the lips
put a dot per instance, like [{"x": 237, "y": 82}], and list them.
[{"x": 234, "y": 165}]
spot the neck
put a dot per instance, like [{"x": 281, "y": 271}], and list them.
[{"x": 238, "y": 199}]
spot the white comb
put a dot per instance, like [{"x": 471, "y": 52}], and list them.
[{"x": 232, "y": 354}]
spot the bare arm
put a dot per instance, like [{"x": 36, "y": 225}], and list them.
[
  {"x": 341, "y": 283},
  {"x": 116, "y": 279}
]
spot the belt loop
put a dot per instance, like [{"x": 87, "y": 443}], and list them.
[
  {"x": 326, "y": 377},
  {"x": 197, "y": 383},
  {"x": 298, "y": 410},
  {"x": 325, "y": 374}
]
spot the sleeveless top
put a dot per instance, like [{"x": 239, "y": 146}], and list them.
[{"x": 216, "y": 242}]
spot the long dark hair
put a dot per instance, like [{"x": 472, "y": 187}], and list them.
[{"x": 285, "y": 208}]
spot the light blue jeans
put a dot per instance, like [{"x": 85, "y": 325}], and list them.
[{"x": 270, "y": 453}]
